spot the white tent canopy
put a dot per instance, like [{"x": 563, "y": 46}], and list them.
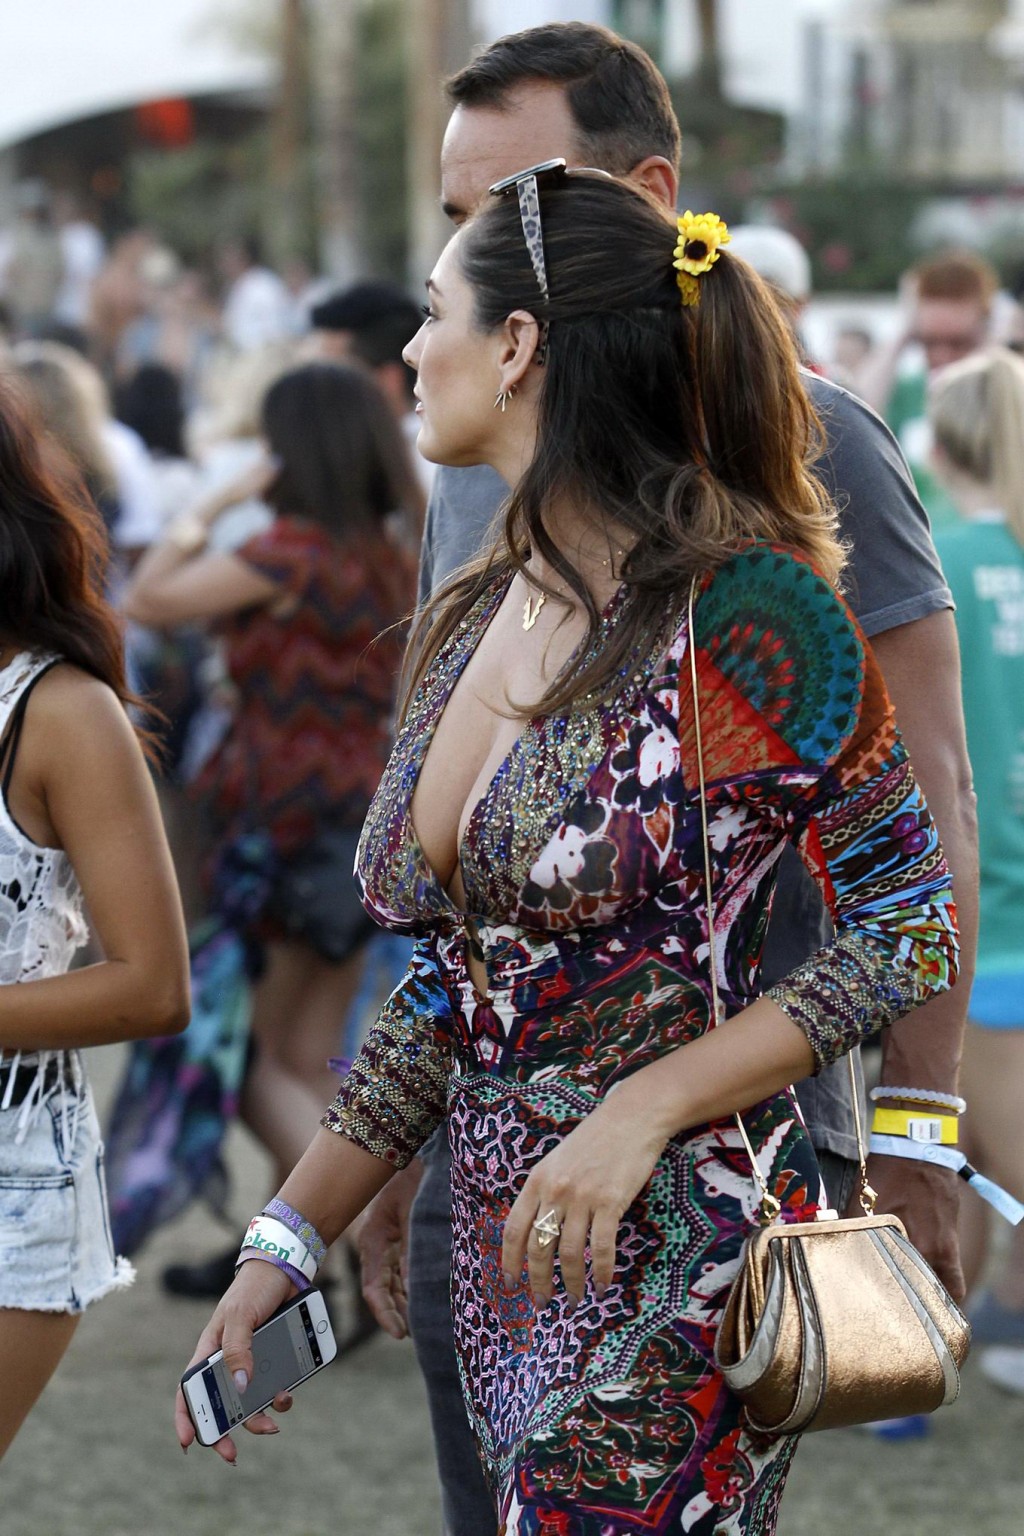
[{"x": 62, "y": 60}]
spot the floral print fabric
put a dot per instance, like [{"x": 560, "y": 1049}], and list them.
[{"x": 583, "y": 868}]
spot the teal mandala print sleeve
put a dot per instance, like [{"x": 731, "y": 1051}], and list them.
[
  {"x": 785, "y": 658},
  {"x": 582, "y": 864}
]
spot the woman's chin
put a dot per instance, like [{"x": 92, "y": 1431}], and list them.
[{"x": 450, "y": 455}]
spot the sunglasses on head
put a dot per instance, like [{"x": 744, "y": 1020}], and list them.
[{"x": 526, "y": 185}]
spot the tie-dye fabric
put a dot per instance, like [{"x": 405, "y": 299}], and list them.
[{"x": 583, "y": 869}]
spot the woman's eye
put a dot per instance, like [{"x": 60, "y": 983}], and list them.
[{"x": 427, "y": 312}]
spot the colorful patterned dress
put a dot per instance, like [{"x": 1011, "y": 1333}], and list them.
[
  {"x": 583, "y": 866},
  {"x": 315, "y": 680}
]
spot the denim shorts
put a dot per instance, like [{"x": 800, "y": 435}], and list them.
[{"x": 56, "y": 1253}]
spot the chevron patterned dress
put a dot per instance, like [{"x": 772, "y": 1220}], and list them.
[{"x": 315, "y": 693}]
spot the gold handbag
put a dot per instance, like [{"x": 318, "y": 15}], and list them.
[{"x": 835, "y": 1321}]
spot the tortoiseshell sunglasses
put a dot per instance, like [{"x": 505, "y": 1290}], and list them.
[{"x": 525, "y": 183}]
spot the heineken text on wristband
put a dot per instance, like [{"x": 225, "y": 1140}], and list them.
[
  {"x": 296, "y": 1276},
  {"x": 274, "y": 1240}
]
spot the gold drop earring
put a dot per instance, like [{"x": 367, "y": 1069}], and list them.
[{"x": 503, "y": 397}]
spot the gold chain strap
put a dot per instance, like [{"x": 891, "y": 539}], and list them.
[{"x": 770, "y": 1206}]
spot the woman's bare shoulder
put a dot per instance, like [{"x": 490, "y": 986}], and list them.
[{"x": 73, "y": 711}]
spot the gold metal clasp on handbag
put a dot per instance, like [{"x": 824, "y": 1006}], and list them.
[
  {"x": 868, "y": 1197},
  {"x": 770, "y": 1209}
]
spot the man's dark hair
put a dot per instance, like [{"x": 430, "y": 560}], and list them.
[
  {"x": 150, "y": 403},
  {"x": 616, "y": 94},
  {"x": 380, "y": 317}
]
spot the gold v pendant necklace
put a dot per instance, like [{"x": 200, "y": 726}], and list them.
[{"x": 532, "y": 608}]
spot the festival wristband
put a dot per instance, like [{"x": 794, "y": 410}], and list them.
[
  {"x": 949, "y": 1157},
  {"x": 941, "y": 1129},
  {"x": 304, "y": 1230},
  {"x": 295, "y": 1275},
  {"x": 271, "y": 1239}
]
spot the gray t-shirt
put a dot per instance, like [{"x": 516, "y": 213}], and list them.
[{"x": 893, "y": 578}]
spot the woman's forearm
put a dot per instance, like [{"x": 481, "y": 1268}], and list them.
[
  {"x": 98, "y": 1004},
  {"x": 731, "y": 1068},
  {"x": 333, "y": 1182},
  {"x": 182, "y": 540},
  {"x": 168, "y": 554}
]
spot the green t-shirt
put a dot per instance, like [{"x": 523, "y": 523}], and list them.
[
  {"x": 907, "y": 416},
  {"x": 984, "y": 566}
]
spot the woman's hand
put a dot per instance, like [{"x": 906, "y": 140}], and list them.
[
  {"x": 256, "y": 1292},
  {"x": 588, "y": 1182},
  {"x": 252, "y": 483}
]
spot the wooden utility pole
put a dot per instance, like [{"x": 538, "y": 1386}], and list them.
[
  {"x": 709, "y": 70},
  {"x": 439, "y": 42},
  {"x": 288, "y": 127},
  {"x": 333, "y": 68}
]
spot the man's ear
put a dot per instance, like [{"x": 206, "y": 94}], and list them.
[
  {"x": 519, "y": 339},
  {"x": 658, "y": 176}
]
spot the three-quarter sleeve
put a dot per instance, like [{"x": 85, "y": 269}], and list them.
[
  {"x": 825, "y": 764},
  {"x": 395, "y": 1094}
]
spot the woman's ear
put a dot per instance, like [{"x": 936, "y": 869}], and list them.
[{"x": 519, "y": 338}]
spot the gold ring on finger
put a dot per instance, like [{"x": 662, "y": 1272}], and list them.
[{"x": 547, "y": 1228}]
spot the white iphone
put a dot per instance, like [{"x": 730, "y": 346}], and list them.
[{"x": 292, "y": 1345}]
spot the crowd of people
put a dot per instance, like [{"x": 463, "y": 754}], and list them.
[
  {"x": 608, "y": 453},
  {"x": 243, "y": 472}
]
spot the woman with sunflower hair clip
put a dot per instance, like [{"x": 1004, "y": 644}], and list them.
[{"x": 539, "y": 830}]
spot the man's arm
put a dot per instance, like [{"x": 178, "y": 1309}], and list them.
[
  {"x": 921, "y": 666},
  {"x": 899, "y": 593}
]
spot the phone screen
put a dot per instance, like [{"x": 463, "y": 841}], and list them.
[{"x": 284, "y": 1353}]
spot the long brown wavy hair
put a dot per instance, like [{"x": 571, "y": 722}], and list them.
[
  {"x": 690, "y": 428},
  {"x": 53, "y": 554}
]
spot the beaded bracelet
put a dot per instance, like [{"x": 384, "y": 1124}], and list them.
[{"x": 950, "y": 1101}]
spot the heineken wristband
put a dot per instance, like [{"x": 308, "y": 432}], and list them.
[
  {"x": 268, "y": 1238},
  {"x": 950, "y": 1157},
  {"x": 296, "y": 1276}
]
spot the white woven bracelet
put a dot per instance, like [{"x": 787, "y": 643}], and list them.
[
  {"x": 273, "y": 1238},
  {"x": 950, "y": 1101}
]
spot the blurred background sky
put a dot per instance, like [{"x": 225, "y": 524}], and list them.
[{"x": 872, "y": 128}]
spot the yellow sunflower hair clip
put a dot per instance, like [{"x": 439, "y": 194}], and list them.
[{"x": 700, "y": 235}]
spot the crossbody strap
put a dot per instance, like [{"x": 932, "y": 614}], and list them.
[{"x": 770, "y": 1206}]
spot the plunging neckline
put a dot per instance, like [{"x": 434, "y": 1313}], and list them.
[{"x": 488, "y": 614}]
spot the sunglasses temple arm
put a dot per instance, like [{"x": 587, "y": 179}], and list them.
[{"x": 529, "y": 212}]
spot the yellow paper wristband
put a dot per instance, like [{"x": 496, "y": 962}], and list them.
[{"x": 929, "y": 1127}]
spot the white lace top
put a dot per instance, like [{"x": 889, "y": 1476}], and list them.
[{"x": 41, "y": 921}]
